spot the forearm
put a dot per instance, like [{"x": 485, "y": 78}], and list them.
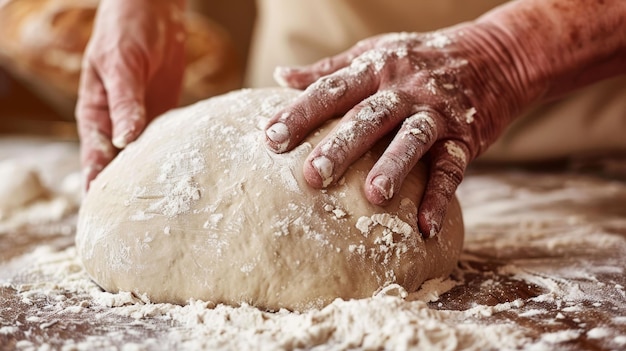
[{"x": 561, "y": 45}]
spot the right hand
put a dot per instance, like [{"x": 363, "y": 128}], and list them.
[
  {"x": 447, "y": 94},
  {"x": 132, "y": 72},
  {"x": 444, "y": 96}
]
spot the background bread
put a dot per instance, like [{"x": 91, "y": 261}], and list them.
[{"x": 42, "y": 43}]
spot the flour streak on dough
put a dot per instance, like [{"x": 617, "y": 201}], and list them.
[
  {"x": 204, "y": 210},
  {"x": 178, "y": 190}
]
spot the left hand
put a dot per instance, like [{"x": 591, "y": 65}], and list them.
[
  {"x": 132, "y": 72},
  {"x": 450, "y": 93}
]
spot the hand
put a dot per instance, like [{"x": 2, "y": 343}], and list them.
[
  {"x": 132, "y": 71},
  {"x": 447, "y": 95}
]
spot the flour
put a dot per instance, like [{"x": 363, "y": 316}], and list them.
[
  {"x": 178, "y": 189},
  {"x": 538, "y": 231},
  {"x": 351, "y": 133},
  {"x": 374, "y": 59},
  {"x": 570, "y": 286},
  {"x": 384, "y": 321},
  {"x": 567, "y": 290},
  {"x": 438, "y": 40},
  {"x": 420, "y": 126},
  {"x": 41, "y": 212},
  {"x": 469, "y": 115},
  {"x": 456, "y": 151},
  {"x": 26, "y": 201},
  {"x": 327, "y": 90}
]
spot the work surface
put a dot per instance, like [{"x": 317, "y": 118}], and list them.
[{"x": 543, "y": 268}]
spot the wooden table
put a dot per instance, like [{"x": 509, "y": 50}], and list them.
[{"x": 544, "y": 255}]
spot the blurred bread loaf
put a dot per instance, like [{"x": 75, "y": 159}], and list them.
[
  {"x": 213, "y": 66},
  {"x": 42, "y": 43}
]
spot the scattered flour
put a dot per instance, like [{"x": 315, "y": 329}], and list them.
[
  {"x": 385, "y": 321},
  {"x": 548, "y": 218},
  {"x": 26, "y": 201}
]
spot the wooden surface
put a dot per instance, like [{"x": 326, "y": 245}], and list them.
[{"x": 545, "y": 249}]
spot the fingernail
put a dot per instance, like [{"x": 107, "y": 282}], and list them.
[
  {"x": 324, "y": 167},
  {"x": 278, "y": 133},
  {"x": 384, "y": 185},
  {"x": 130, "y": 117},
  {"x": 122, "y": 139}
]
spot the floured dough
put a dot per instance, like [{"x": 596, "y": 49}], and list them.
[
  {"x": 20, "y": 185},
  {"x": 199, "y": 208}
]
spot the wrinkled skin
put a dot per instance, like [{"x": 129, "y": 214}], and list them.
[
  {"x": 443, "y": 97},
  {"x": 132, "y": 72},
  {"x": 446, "y": 95},
  {"x": 426, "y": 86}
]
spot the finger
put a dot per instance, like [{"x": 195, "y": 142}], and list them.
[
  {"x": 124, "y": 77},
  {"x": 328, "y": 97},
  {"x": 96, "y": 151},
  {"x": 358, "y": 131},
  {"x": 449, "y": 160},
  {"x": 415, "y": 137},
  {"x": 302, "y": 77},
  {"x": 94, "y": 125}
]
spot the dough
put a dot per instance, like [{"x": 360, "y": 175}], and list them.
[
  {"x": 199, "y": 208},
  {"x": 20, "y": 186}
]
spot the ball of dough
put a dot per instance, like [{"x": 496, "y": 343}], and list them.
[{"x": 199, "y": 208}]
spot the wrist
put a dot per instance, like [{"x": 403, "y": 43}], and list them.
[
  {"x": 497, "y": 78},
  {"x": 561, "y": 45}
]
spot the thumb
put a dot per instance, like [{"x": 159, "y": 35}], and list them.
[{"x": 303, "y": 76}]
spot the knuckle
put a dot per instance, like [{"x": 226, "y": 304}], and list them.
[
  {"x": 88, "y": 102},
  {"x": 394, "y": 162},
  {"x": 127, "y": 61},
  {"x": 373, "y": 60},
  {"x": 457, "y": 152},
  {"x": 420, "y": 127},
  {"x": 324, "y": 65},
  {"x": 449, "y": 173},
  {"x": 337, "y": 146},
  {"x": 89, "y": 117},
  {"x": 381, "y": 107},
  {"x": 328, "y": 88}
]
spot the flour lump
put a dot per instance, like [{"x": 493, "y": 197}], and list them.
[
  {"x": 199, "y": 208},
  {"x": 19, "y": 187}
]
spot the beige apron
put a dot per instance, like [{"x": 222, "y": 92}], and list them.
[{"x": 298, "y": 32}]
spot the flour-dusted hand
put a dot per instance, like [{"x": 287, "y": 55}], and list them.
[
  {"x": 132, "y": 71},
  {"x": 444, "y": 92},
  {"x": 445, "y": 95}
]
